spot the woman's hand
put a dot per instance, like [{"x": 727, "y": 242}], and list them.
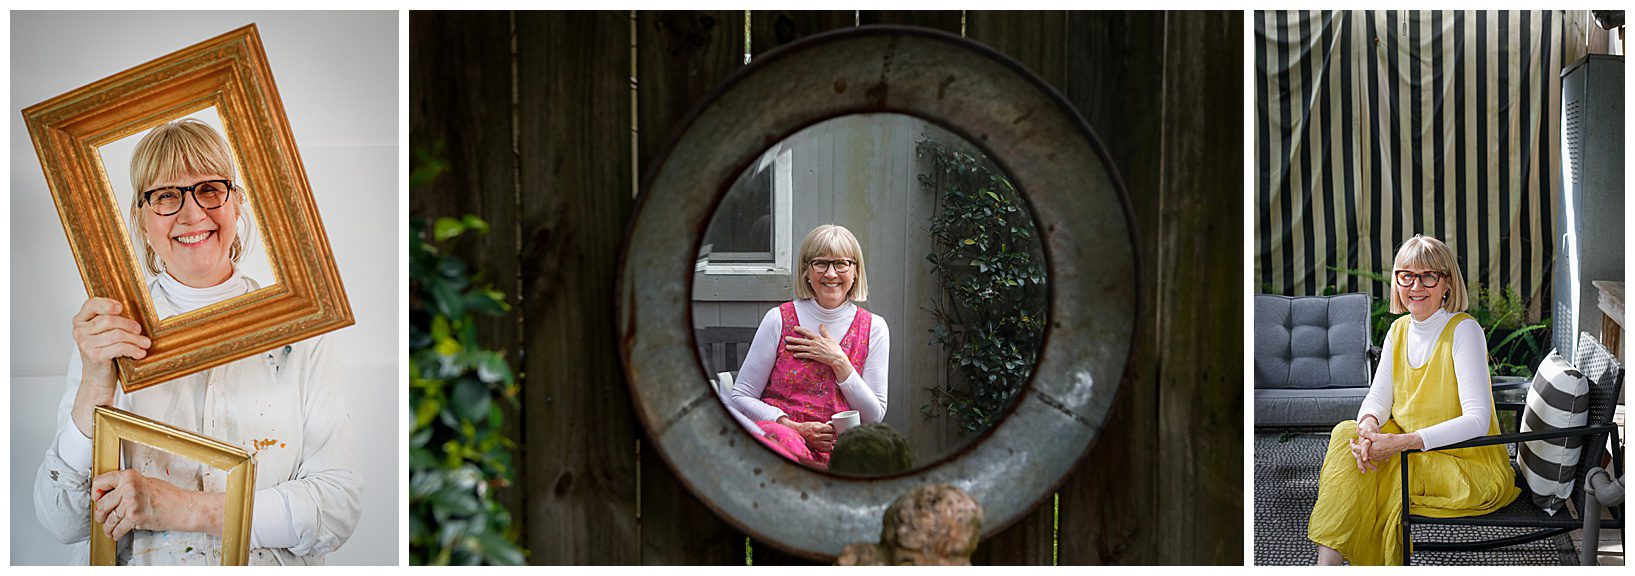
[
  {"x": 1361, "y": 445},
  {"x": 819, "y": 436},
  {"x": 1382, "y": 447},
  {"x": 818, "y": 346},
  {"x": 126, "y": 500},
  {"x": 1359, "y": 452},
  {"x": 102, "y": 335}
]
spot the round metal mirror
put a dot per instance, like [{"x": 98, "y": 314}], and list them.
[{"x": 1029, "y": 132}]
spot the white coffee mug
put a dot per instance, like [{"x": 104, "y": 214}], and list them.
[{"x": 845, "y": 421}]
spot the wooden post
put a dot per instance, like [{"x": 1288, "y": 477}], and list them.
[
  {"x": 1115, "y": 72},
  {"x": 1200, "y": 297},
  {"x": 573, "y": 153}
]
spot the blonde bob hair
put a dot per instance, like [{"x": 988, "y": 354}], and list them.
[
  {"x": 826, "y": 240},
  {"x": 1425, "y": 252},
  {"x": 173, "y": 150}
]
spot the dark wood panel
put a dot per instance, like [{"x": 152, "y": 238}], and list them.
[
  {"x": 1036, "y": 39},
  {"x": 1114, "y": 77},
  {"x": 680, "y": 57},
  {"x": 573, "y": 151},
  {"x": 770, "y": 29},
  {"x": 460, "y": 116},
  {"x": 1200, "y": 489},
  {"x": 951, "y": 21}
]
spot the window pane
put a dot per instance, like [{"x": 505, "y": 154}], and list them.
[{"x": 743, "y": 225}]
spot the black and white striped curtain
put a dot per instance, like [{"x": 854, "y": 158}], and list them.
[{"x": 1372, "y": 126}]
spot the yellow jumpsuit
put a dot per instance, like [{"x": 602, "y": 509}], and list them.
[{"x": 1360, "y": 514}]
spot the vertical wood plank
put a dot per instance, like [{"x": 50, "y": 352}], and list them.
[
  {"x": 1036, "y": 39},
  {"x": 460, "y": 114},
  {"x": 770, "y": 29},
  {"x": 1115, "y": 70},
  {"x": 950, "y": 21},
  {"x": 680, "y": 57},
  {"x": 1200, "y": 492},
  {"x": 573, "y": 163}
]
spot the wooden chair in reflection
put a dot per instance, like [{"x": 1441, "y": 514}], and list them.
[{"x": 722, "y": 350}]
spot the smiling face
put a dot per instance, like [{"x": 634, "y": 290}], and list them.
[
  {"x": 194, "y": 244},
  {"x": 1420, "y": 301},
  {"x": 830, "y": 286},
  {"x": 1419, "y": 256}
]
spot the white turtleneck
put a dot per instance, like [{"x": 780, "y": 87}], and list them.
[
  {"x": 1469, "y": 367},
  {"x": 271, "y": 523},
  {"x": 166, "y": 289},
  {"x": 865, "y": 392}
]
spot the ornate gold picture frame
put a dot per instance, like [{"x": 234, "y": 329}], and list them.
[
  {"x": 113, "y": 425},
  {"x": 230, "y": 74}
]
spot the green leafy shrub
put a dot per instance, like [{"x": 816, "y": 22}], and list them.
[
  {"x": 458, "y": 454},
  {"x": 991, "y": 272}
]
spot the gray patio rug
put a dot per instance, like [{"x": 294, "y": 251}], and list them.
[{"x": 1286, "y": 469}]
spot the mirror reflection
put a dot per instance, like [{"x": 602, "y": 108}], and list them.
[
  {"x": 189, "y": 215},
  {"x": 870, "y": 296}
]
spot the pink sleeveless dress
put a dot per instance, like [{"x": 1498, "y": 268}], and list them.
[{"x": 806, "y": 390}]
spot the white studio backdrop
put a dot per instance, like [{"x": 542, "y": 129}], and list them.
[{"x": 337, "y": 73}]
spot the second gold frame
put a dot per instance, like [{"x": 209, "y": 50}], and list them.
[{"x": 113, "y": 425}]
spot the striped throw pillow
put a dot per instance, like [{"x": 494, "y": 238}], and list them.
[{"x": 1558, "y": 399}]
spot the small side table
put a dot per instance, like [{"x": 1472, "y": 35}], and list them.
[{"x": 1611, "y": 303}]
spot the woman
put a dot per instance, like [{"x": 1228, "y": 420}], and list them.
[
  {"x": 1431, "y": 389},
  {"x": 818, "y": 355},
  {"x": 286, "y": 407}
]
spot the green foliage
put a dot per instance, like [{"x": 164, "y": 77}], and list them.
[
  {"x": 458, "y": 453},
  {"x": 986, "y": 260}
]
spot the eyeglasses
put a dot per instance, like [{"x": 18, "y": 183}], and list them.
[
  {"x": 1406, "y": 278},
  {"x": 841, "y": 266},
  {"x": 210, "y": 194}
]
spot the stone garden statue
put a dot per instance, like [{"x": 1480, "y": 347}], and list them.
[{"x": 936, "y": 525}]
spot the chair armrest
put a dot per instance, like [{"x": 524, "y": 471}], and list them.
[{"x": 1525, "y": 437}]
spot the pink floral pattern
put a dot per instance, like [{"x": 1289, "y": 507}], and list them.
[{"x": 806, "y": 390}]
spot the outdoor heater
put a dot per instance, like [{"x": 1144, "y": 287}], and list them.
[{"x": 1590, "y": 213}]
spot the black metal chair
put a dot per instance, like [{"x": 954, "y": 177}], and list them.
[{"x": 1606, "y": 379}]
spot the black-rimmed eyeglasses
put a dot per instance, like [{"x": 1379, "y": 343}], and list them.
[
  {"x": 842, "y": 265},
  {"x": 210, "y": 194},
  {"x": 1405, "y": 278}
]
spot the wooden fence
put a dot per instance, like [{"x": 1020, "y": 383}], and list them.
[{"x": 533, "y": 112}]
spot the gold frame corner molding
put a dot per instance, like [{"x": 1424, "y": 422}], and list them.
[
  {"x": 113, "y": 425},
  {"x": 229, "y": 72}
]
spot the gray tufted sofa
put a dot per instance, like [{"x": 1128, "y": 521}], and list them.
[{"x": 1312, "y": 364}]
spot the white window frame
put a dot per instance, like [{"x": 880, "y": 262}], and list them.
[{"x": 780, "y": 160}]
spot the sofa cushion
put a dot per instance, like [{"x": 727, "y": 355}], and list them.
[{"x": 1311, "y": 341}]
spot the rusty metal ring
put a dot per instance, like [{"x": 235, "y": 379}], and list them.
[{"x": 1020, "y": 122}]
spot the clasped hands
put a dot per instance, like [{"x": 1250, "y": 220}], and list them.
[
  {"x": 1371, "y": 446},
  {"x": 126, "y": 500},
  {"x": 819, "y": 436},
  {"x": 820, "y": 347}
]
